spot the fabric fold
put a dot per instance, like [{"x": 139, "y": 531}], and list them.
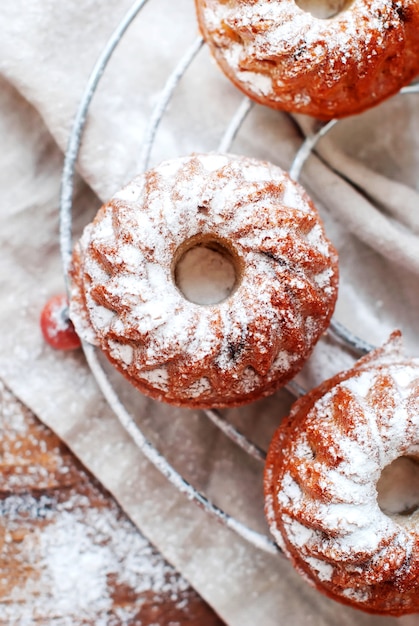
[{"x": 380, "y": 211}]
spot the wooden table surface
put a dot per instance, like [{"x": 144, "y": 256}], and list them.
[{"x": 68, "y": 553}]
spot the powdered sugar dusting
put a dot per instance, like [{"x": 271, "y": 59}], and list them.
[
  {"x": 324, "y": 570},
  {"x": 69, "y": 556},
  {"x": 59, "y": 321},
  {"x": 260, "y": 83},
  {"x": 287, "y": 58},
  {"x": 78, "y": 575},
  {"x": 256, "y": 336},
  {"x": 324, "y": 501}
]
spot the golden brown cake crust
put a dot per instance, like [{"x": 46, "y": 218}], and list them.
[
  {"x": 124, "y": 298},
  {"x": 287, "y": 59},
  {"x": 321, "y": 473}
]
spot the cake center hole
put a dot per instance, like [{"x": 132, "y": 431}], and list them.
[
  {"x": 398, "y": 487},
  {"x": 206, "y": 272},
  {"x": 323, "y": 9}
]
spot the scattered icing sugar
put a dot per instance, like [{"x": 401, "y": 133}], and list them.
[
  {"x": 128, "y": 283},
  {"x": 130, "y": 193},
  {"x": 290, "y": 490},
  {"x": 261, "y": 84},
  {"x": 79, "y": 560},
  {"x": 324, "y": 570},
  {"x": 157, "y": 377},
  {"x": 283, "y": 361},
  {"x": 58, "y": 319},
  {"x": 103, "y": 317},
  {"x": 77, "y": 555},
  {"x": 359, "y": 595},
  {"x": 125, "y": 352},
  {"x": 405, "y": 376},
  {"x": 212, "y": 162},
  {"x": 298, "y": 534},
  {"x": 323, "y": 279},
  {"x": 199, "y": 387},
  {"x": 291, "y": 198}
]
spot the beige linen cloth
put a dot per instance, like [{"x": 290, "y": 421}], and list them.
[{"x": 365, "y": 185}]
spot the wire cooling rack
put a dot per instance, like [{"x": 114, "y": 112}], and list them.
[{"x": 352, "y": 342}]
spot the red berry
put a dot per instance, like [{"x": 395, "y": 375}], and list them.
[{"x": 56, "y": 326}]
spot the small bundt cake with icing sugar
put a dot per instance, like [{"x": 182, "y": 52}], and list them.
[
  {"x": 206, "y": 281},
  {"x": 324, "y": 484},
  {"x": 287, "y": 58}
]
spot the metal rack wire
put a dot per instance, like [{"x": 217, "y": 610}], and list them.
[{"x": 358, "y": 345}]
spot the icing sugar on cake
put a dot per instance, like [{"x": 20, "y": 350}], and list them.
[
  {"x": 322, "y": 472},
  {"x": 286, "y": 58},
  {"x": 125, "y": 296}
]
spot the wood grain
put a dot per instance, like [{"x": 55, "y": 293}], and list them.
[{"x": 68, "y": 553}]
